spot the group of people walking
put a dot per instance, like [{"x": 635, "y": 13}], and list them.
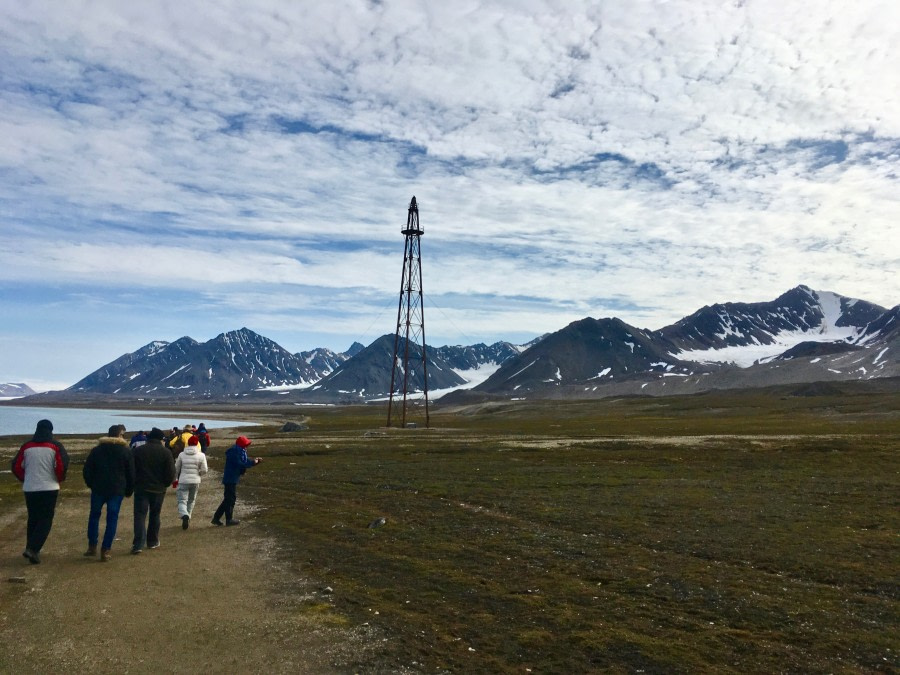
[{"x": 115, "y": 469}]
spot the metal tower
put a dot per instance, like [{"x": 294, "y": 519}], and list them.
[{"x": 409, "y": 362}]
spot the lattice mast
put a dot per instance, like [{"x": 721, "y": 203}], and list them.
[{"x": 409, "y": 339}]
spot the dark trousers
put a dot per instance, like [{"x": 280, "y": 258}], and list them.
[
  {"x": 227, "y": 505},
  {"x": 144, "y": 503},
  {"x": 41, "y": 507}
]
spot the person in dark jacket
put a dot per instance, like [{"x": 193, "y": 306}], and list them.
[
  {"x": 236, "y": 463},
  {"x": 203, "y": 435},
  {"x": 41, "y": 465},
  {"x": 137, "y": 440},
  {"x": 154, "y": 471},
  {"x": 109, "y": 473}
]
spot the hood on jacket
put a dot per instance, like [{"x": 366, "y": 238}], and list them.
[
  {"x": 43, "y": 432},
  {"x": 112, "y": 440}
]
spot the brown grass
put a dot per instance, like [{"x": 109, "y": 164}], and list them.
[{"x": 729, "y": 532}]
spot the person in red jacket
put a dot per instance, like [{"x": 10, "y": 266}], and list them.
[{"x": 41, "y": 465}]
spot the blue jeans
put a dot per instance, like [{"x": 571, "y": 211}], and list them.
[
  {"x": 145, "y": 502},
  {"x": 113, "y": 504}
]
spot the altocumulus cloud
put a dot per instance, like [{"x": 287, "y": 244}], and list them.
[{"x": 250, "y": 164}]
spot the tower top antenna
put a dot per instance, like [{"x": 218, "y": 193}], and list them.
[{"x": 412, "y": 220}]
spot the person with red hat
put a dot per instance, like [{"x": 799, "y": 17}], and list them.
[
  {"x": 236, "y": 463},
  {"x": 190, "y": 467}
]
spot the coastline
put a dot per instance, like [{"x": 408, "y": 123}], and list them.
[{"x": 88, "y": 418}]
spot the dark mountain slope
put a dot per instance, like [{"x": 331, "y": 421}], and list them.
[
  {"x": 235, "y": 362},
  {"x": 368, "y": 374},
  {"x": 586, "y": 352}
]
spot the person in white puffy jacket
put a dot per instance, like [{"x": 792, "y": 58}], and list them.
[{"x": 189, "y": 468}]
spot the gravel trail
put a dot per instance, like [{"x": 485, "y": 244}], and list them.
[{"x": 209, "y": 599}]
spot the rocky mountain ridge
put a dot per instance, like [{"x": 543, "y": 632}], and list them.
[{"x": 801, "y": 336}]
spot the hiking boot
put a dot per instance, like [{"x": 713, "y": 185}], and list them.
[
  {"x": 229, "y": 523},
  {"x": 91, "y": 551},
  {"x": 104, "y": 555},
  {"x": 33, "y": 557},
  {"x": 217, "y": 522},
  {"x": 185, "y": 521}
]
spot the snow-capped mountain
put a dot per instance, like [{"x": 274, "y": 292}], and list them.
[
  {"x": 746, "y": 333},
  {"x": 801, "y": 336},
  {"x": 324, "y": 361},
  {"x": 15, "y": 390},
  {"x": 235, "y": 362},
  {"x": 246, "y": 363},
  {"x": 368, "y": 374}
]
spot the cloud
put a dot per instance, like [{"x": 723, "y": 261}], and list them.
[{"x": 634, "y": 160}]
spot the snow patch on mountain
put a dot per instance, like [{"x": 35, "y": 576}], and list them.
[
  {"x": 472, "y": 376},
  {"x": 747, "y": 355},
  {"x": 283, "y": 388},
  {"x": 878, "y": 358}
]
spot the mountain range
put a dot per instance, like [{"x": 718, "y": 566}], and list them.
[{"x": 801, "y": 336}]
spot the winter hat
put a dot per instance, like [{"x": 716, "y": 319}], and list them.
[
  {"x": 44, "y": 425},
  {"x": 187, "y": 427},
  {"x": 156, "y": 434},
  {"x": 193, "y": 440},
  {"x": 243, "y": 441}
]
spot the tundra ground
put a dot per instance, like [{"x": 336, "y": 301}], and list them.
[{"x": 716, "y": 533}]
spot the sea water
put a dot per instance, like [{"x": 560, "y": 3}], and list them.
[{"x": 19, "y": 421}]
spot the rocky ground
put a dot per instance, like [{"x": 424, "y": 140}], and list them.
[{"x": 209, "y": 599}]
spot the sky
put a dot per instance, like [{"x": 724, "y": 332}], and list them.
[{"x": 179, "y": 168}]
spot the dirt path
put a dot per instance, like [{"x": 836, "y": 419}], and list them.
[{"x": 209, "y": 599}]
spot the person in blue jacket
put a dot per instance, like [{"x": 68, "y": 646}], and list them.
[{"x": 236, "y": 463}]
